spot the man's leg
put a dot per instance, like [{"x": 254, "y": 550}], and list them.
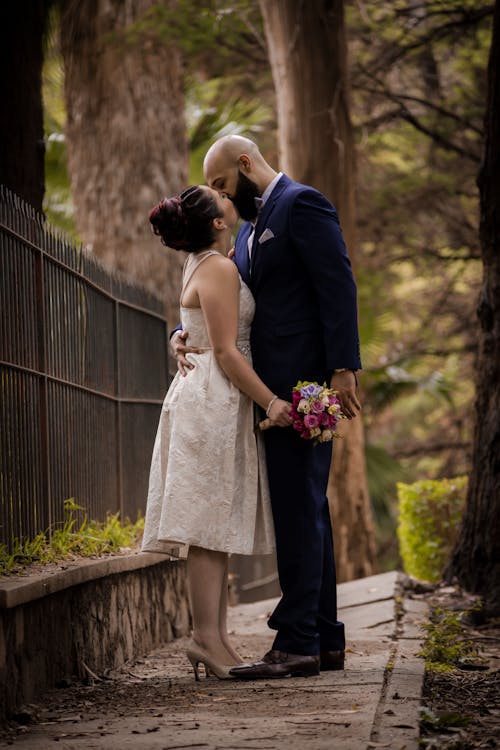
[
  {"x": 298, "y": 476},
  {"x": 331, "y": 631}
]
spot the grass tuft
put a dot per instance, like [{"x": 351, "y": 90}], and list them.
[
  {"x": 446, "y": 647},
  {"x": 89, "y": 539}
]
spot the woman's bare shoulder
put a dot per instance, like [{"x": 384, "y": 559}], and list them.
[{"x": 220, "y": 267}]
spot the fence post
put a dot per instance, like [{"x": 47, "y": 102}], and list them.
[
  {"x": 43, "y": 387},
  {"x": 118, "y": 394}
]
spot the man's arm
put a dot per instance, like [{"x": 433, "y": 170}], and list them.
[
  {"x": 179, "y": 328},
  {"x": 318, "y": 238}
]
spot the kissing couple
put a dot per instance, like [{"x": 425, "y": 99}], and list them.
[{"x": 282, "y": 309}]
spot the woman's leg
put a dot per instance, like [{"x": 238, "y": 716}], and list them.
[
  {"x": 223, "y": 619},
  {"x": 206, "y": 571}
]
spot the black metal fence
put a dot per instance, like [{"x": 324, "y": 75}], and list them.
[{"x": 83, "y": 368}]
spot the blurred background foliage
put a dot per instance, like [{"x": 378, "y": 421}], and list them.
[{"x": 417, "y": 76}]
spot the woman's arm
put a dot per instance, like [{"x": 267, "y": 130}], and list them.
[{"x": 218, "y": 288}]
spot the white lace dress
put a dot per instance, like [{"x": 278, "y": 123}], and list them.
[{"x": 208, "y": 481}]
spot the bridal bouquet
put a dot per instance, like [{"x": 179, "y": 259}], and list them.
[{"x": 315, "y": 411}]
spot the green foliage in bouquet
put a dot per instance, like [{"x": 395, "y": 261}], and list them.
[{"x": 429, "y": 516}]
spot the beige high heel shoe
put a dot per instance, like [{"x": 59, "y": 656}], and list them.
[{"x": 197, "y": 656}]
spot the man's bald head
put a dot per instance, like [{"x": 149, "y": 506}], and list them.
[
  {"x": 234, "y": 166},
  {"x": 227, "y": 151}
]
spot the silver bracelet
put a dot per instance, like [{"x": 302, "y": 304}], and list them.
[{"x": 274, "y": 398}]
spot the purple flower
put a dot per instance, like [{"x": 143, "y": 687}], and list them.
[{"x": 310, "y": 390}]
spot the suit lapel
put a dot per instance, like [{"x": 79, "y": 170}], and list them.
[{"x": 264, "y": 217}]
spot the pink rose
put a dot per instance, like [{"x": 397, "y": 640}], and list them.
[
  {"x": 311, "y": 421},
  {"x": 332, "y": 421},
  {"x": 317, "y": 407}
]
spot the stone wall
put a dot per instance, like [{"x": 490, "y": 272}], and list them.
[{"x": 98, "y": 614}]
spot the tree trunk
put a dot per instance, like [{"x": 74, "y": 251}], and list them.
[
  {"x": 308, "y": 54},
  {"x": 22, "y": 25},
  {"x": 475, "y": 560},
  {"x": 126, "y": 136}
]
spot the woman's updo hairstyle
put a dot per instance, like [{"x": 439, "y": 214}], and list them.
[{"x": 184, "y": 222}]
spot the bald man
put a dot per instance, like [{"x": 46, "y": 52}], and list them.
[{"x": 291, "y": 254}]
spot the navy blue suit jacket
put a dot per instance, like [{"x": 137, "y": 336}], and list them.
[{"x": 305, "y": 322}]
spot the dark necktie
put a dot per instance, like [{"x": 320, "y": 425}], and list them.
[{"x": 259, "y": 203}]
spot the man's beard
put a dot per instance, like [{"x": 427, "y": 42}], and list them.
[{"x": 244, "y": 197}]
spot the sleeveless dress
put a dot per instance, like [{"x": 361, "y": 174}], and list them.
[{"x": 208, "y": 480}]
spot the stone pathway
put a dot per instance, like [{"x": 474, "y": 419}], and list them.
[{"x": 155, "y": 703}]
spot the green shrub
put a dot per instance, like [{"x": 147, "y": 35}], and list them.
[{"x": 430, "y": 512}]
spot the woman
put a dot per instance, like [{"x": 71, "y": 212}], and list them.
[{"x": 208, "y": 483}]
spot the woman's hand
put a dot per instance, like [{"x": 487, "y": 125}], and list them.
[{"x": 279, "y": 413}]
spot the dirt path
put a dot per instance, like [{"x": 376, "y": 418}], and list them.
[{"x": 155, "y": 703}]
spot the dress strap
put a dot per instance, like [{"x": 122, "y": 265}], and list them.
[{"x": 190, "y": 268}]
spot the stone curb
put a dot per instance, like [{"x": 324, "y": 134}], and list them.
[
  {"x": 397, "y": 719},
  {"x": 23, "y": 589}
]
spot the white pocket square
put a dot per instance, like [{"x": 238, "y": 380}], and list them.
[{"x": 267, "y": 234}]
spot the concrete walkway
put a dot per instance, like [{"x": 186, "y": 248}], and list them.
[{"x": 156, "y": 703}]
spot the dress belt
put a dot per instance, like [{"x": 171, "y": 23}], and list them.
[{"x": 243, "y": 346}]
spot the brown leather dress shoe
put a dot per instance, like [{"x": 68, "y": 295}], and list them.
[
  {"x": 277, "y": 664},
  {"x": 331, "y": 660}
]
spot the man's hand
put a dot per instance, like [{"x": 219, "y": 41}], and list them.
[
  {"x": 179, "y": 349},
  {"x": 345, "y": 385}
]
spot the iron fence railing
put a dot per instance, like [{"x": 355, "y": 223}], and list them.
[{"x": 83, "y": 368}]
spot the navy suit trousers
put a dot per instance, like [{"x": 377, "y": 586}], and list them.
[{"x": 306, "y": 616}]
